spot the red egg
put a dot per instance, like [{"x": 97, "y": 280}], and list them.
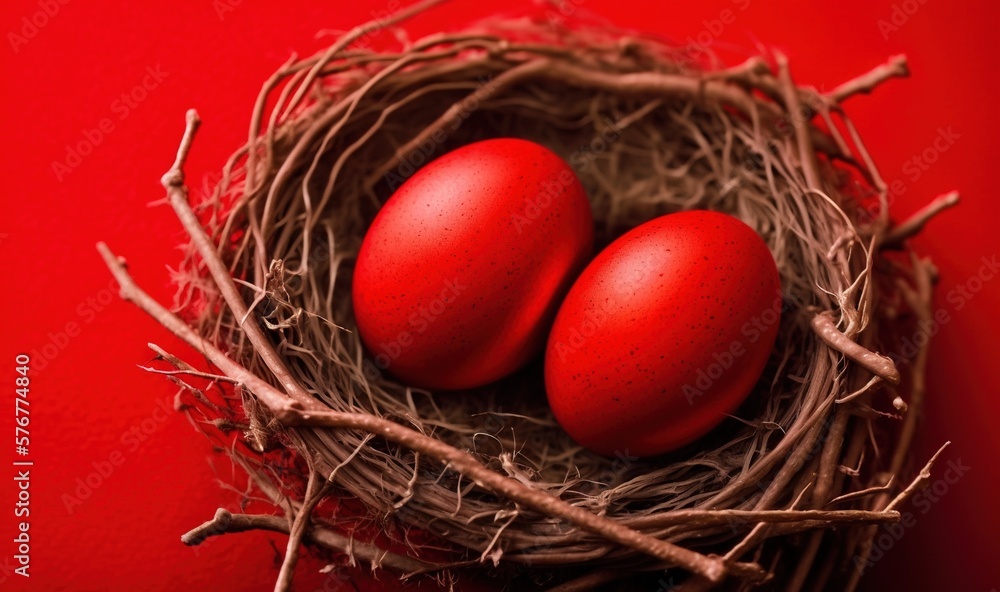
[
  {"x": 461, "y": 272},
  {"x": 665, "y": 332}
]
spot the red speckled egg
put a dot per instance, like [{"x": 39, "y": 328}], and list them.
[
  {"x": 461, "y": 272},
  {"x": 665, "y": 332}
]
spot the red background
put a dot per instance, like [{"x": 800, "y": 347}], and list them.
[{"x": 66, "y": 78}]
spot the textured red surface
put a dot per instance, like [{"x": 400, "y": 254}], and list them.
[
  {"x": 449, "y": 291},
  {"x": 64, "y": 78},
  {"x": 670, "y": 288}
]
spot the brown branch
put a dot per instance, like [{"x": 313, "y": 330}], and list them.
[
  {"x": 758, "y": 533},
  {"x": 824, "y": 326},
  {"x": 225, "y": 522},
  {"x": 869, "y": 534},
  {"x": 177, "y": 192},
  {"x": 804, "y": 140},
  {"x": 922, "y": 477},
  {"x": 182, "y": 367},
  {"x": 296, "y": 532},
  {"x": 896, "y": 67},
  {"x": 919, "y": 299},
  {"x": 699, "y": 518},
  {"x": 861, "y": 391},
  {"x": 634, "y": 84},
  {"x": 915, "y": 223},
  {"x": 279, "y": 404},
  {"x": 744, "y": 73}
]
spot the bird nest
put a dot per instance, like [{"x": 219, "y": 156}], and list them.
[{"x": 789, "y": 490}]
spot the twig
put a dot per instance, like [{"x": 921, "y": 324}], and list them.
[
  {"x": 826, "y": 329},
  {"x": 864, "y": 492},
  {"x": 869, "y": 534},
  {"x": 225, "y": 522},
  {"x": 915, "y": 223},
  {"x": 922, "y": 477},
  {"x": 896, "y": 67},
  {"x": 868, "y": 385},
  {"x": 296, "y": 532},
  {"x": 182, "y": 367},
  {"x": 280, "y": 405},
  {"x": 803, "y": 137},
  {"x": 919, "y": 300},
  {"x": 173, "y": 182},
  {"x": 698, "y": 518}
]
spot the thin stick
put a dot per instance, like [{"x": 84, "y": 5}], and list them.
[
  {"x": 296, "y": 532},
  {"x": 807, "y": 152},
  {"x": 225, "y": 522},
  {"x": 826, "y": 329},
  {"x": 895, "y": 67},
  {"x": 863, "y": 493},
  {"x": 278, "y": 403},
  {"x": 173, "y": 182},
  {"x": 699, "y": 518},
  {"x": 922, "y": 477},
  {"x": 868, "y": 385},
  {"x": 915, "y": 223}
]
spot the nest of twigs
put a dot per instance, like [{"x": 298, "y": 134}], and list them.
[{"x": 790, "y": 491}]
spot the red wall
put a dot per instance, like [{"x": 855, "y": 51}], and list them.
[{"x": 64, "y": 78}]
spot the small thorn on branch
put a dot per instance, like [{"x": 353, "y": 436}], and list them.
[
  {"x": 878, "y": 365},
  {"x": 915, "y": 223}
]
